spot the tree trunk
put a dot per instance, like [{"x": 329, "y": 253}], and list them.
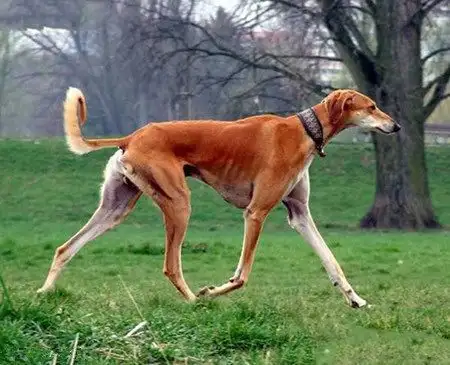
[
  {"x": 402, "y": 198},
  {"x": 5, "y": 61}
]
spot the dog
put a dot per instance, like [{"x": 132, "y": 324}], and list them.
[{"x": 253, "y": 163}]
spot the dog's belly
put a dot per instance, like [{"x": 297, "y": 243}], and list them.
[{"x": 237, "y": 195}]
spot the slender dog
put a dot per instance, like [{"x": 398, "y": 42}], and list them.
[{"x": 253, "y": 163}]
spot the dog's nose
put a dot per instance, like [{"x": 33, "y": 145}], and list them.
[{"x": 397, "y": 127}]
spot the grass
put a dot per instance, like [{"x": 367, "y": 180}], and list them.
[{"x": 289, "y": 313}]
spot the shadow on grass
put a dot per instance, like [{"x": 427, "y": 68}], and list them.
[{"x": 149, "y": 248}]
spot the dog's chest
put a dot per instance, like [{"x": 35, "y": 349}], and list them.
[{"x": 297, "y": 178}]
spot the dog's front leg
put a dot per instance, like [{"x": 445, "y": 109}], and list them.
[
  {"x": 300, "y": 219},
  {"x": 254, "y": 220},
  {"x": 262, "y": 202}
]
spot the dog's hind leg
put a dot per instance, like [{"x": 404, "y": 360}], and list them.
[
  {"x": 118, "y": 198},
  {"x": 171, "y": 193},
  {"x": 176, "y": 216},
  {"x": 161, "y": 177}
]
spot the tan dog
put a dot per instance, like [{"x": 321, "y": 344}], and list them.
[{"x": 253, "y": 163}]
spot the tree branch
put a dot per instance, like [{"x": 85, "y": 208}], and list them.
[
  {"x": 426, "y": 7},
  {"x": 434, "y": 53},
  {"x": 440, "y": 87},
  {"x": 359, "y": 61},
  {"x": 371, "y": 5},
  {"x": 345, "y": 19},
  {"x": 222, "y": 50},
  {"x": 303, "y": 57},
  {"x": 348, "y": 22},
  {"x": 294, "y": 5}
]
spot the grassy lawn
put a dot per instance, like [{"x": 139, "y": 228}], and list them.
[{"x": 289, "y": 313}]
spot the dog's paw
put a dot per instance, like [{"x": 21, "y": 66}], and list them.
[
  {"x": 358, "y": 303},
  {"x": 45, "y": 289},
  {"x": 236, "y": 276},
  {"x": 205, "y": 291}
]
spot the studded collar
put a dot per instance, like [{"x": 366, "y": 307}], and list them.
[{"x": 313, "y": 128}]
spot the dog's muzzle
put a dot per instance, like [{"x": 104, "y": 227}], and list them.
[
  {"x": 393, "y": 128},
  {"x": 396, "y": 128}
]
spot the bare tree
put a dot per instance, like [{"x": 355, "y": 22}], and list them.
[
  {"x": 276, "y": 54},
  {"x": 90, "y": 53},
  {"x": 133, "y": 59},
  {"x": 391, "y": 71},
  {"x": 380, "y": 45},
  {"x": 5, "y": 71}
]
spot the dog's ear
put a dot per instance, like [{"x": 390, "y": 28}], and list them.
[{"x": 337, "y": 104}]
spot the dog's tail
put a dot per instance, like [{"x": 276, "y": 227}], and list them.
[{"x": 75, "y": 101}]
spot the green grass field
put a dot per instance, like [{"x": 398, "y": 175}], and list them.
[{"x": 289, "y": 313}]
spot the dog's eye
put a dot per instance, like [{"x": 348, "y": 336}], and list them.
[{"x": 372, "y": 107}]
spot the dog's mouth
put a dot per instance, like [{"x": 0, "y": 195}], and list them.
[
  {"x": 383, "y": 131},
  {"x": 395, "y": 129}
]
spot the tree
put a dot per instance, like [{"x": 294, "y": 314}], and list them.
[
  {"x": 5, "y": 70},
  {"x": 282, "y": 60},
  {"x": 392, "y": 73},
  {"x": 436, "y": 45},
  {"x": 380, "y": 44},
  {"x": 133, "y": 59},
  {"x": 386, "y": 63}
]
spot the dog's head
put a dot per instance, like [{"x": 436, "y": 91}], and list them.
[{"x": 348, "y": 108}]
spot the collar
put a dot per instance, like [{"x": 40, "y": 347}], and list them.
[{"x": 313, "y": 128}]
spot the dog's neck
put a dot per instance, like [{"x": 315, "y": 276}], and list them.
[
  {"x": 319, "y": 127},
  {"x": 330, "y": 127}
]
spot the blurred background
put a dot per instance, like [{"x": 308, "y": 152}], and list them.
[
  {"x": 153, "y": 60},
  {"x": 156, "y": 60}
]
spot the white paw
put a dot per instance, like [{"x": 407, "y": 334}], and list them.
[
  {"x": 45, "y": 289},
  {"x": 205, "y": 291},
  {"x": 357, "y": 302}
]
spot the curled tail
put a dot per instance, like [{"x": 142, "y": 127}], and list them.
[{"x": 77, "y": 143}]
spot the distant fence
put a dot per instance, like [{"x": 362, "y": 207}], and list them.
[{"x": 435, "y": 134}]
